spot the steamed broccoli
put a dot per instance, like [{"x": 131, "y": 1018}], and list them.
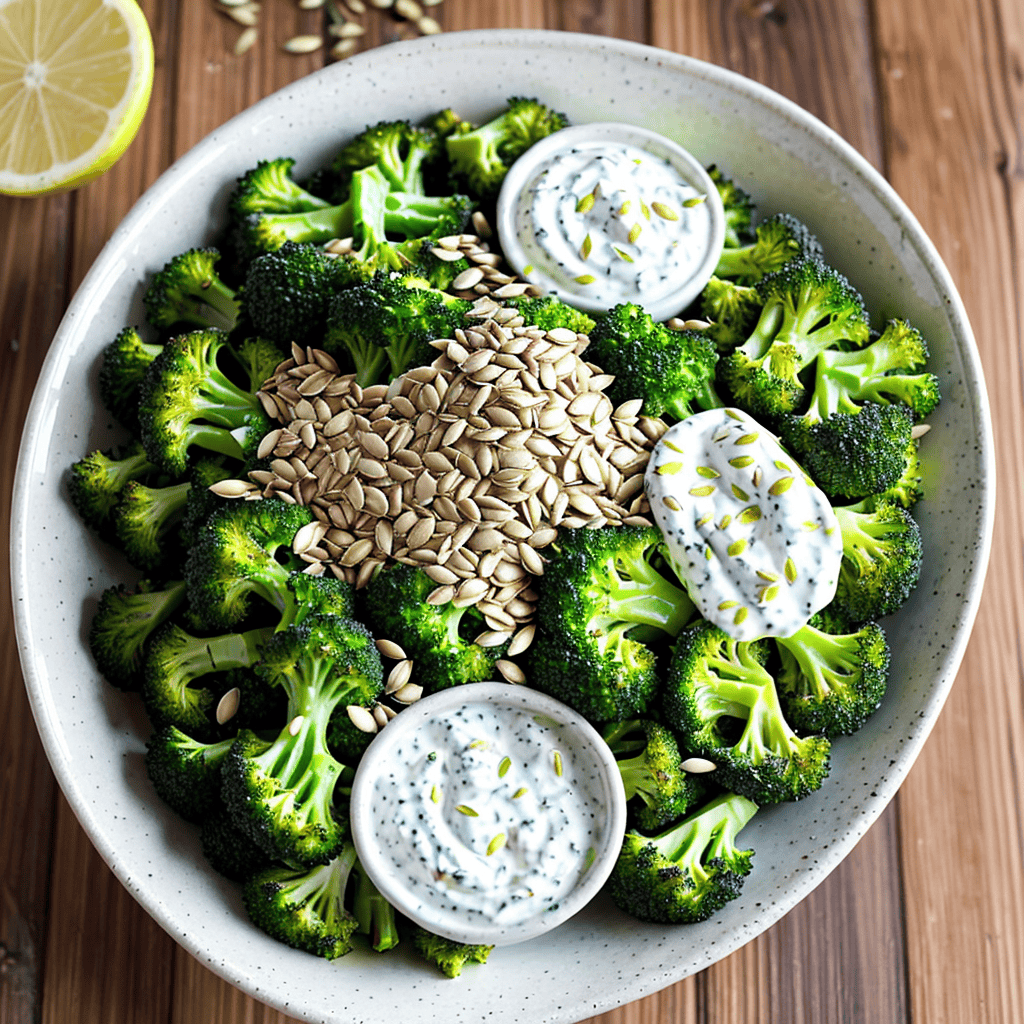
[
  {"x": 738, "y": 206},
  {"x": 808, "y": 307},
  {"x": 672, "y": 371},
  {"x": 447, "y": 954},
  {"x": 270, "y": 188},
  {"x": 228, "y": 850},
  {"x": 439, "y": 638},
  {"x": 723, "y": 704},
  {"x": 185, "y": 772},
  {"x": 280, "y": 792},
  {"x": 882, "y": 553},
  {"x": 547, "y": 313},
  {"x": 481, "y": 158},
  {"x": 304, "y": 907},
  {"x": 178, "y": 664},
  {"x": 732, "y": 310},
  {"x": 123, "y": 364},
  {"x": 95, "y": 482},
  {"x": 188, "y": 400},
  {"x": 124, "y": 621},
  {"x": 604, "y": 595},
  {"x": 244, "y": 550},
  {"x": 388, "y": 324},
  {"x": 377, "y": 918},
  {"x": 777, "y": 240},
  {"x": 145, "y": 517},
  {"x": 189, "y": 291},
  {"x": 398, "y": 149},
  {"x": 651, "y": 768},
  {"x": 830, "y": 683},
  {"x": 689, "y": 871}
]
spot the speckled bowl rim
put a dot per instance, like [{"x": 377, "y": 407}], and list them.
[
  {"x": 587, "y": 743},
  {"x": 667, "y": 959},
  {"x": 674, "y": 296}
]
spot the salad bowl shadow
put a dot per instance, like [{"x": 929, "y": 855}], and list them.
[{"x": 790, "y": 162}]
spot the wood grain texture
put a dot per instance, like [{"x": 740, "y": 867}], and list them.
[{"x": 924, "y": 922}]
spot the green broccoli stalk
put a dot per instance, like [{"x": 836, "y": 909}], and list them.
[
  {"x": 144, "y": 517},
  {"x": 304, "y": 907},
  {"x": 604, "y": 595},
  {"x": 672, "y": 371},
  {"x": 777, "y": 240},
  {"x": 831, "y": 683},
  {"x": 688, "y": 872},
  {"x": 280, "y": 792},
  {"x": 724, "y": 706},
  {"x": 189, "y": 291},
  {"x": 808, "y": 307},
  {"x": 123, "y": 364},
  {"x": 95, "y": 482},
  {"x": 480, "y": 159},
  {"x": 188, "y": 399},
  {"x": 124, "y": 621},
  {"x": 176, "y": 666},
  {"x": 448, "y": 955},
  {"x": 376, "y": 917},
  {"x": 738, "y": 206},
  {"x": 654, "y": 773},
  {"x": 439, "y": 638},
  {"x": 882, "y": 554},
  {"x": 185, "y": 772}
]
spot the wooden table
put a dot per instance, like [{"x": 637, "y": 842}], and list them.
[{"x": 924, "y": 921}]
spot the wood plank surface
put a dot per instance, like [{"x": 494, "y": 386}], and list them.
[{"x": 924, "y": 922}]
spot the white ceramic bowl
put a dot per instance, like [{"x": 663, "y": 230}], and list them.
[
  {"x": 94, "y": 736},
  {"x": 592, "y": 779}
]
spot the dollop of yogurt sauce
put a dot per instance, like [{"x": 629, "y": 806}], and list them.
[
  {"x": 487, "y": 815},
  {"x": 751, "y": 536},
  {"x": 609, "y": 222}
]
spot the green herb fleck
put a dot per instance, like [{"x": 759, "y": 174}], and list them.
[
  {"x": 622, "y": 254},
  {"x": 521, "y": 791},
  {"x": 558, "y": 763},
  {"x": 435, "y": 794}
]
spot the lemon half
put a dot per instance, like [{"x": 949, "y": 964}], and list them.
[{"x": 75, "y": 81}]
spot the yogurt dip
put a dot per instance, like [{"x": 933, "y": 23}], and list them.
[
  {"x": 488, "y": 813},
  {"x": 605, "y": 213}
]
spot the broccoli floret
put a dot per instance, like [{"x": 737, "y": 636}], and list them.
[
  {"x": 738, "y": 206},
  {"x": 672, "y": 371},
  {"x": 281, "y": 792},
  {"x": 388, "y": 324},
  {"x": 189, "y": 291},
  {"x": 244, "y": 550},
  {"x": 777, "y": 240},
  {"x": 178, "y": 664},
  {"x": 376, "y": 917},
  {"x": 732, "y": 310},
  {"x": 270, "y": 188},
  {"x": 603, "y": 596},
  {"x": 480, "y": 159},
  {"x": 95, "y": 483},
  {"x": 123, "y": 364},
  {"x": 200, "y": 500},
  {"x": 447, "y": 122},
  {"x": 227, "y": 849},
  {"x": 144, "y": 517},
  {"x": 439, "y": 638},
  {"x": 651, "y": 768},
  {"x": 688, "y": 872},
  {"x": 186, "y": 772},
  {"x": 189, "y": 400},
  {"x": 808, "y": 307},
  {"x": 447, "y": 954},
  {"x": 426, "y": 264},
  {"x": 124, "y": 621},
  {"x": 397, "y": 148},
  {"x": 286, "y": 293},
  {"x": 547, "y": 313},
  {"x": 882, "y": 372},
  {"x": 304, "y": 907},
  {"x": 908, "y": 489},
  {"x": 882, "y": 554},
  {"x": 724, "y": 706},
  {"x": 852, "y": 455},
  {"x": 831, "y": 683}
]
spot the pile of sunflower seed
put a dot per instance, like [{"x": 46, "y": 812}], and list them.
[{"x": 465, "y": 467}]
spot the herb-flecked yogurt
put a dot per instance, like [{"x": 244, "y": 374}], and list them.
[
  {"x": 600, "y": 216},
  {"x": 488, "y": 815}
]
